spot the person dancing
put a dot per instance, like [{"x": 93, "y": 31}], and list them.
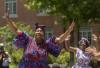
[
  {"x": 95, "y": 51},
  {"x": 83, "y": 58},
  {"x": 36, "y": 48}
]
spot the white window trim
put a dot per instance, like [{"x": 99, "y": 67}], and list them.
[
  {"x": 49, "y": 30},
  {"x": 83, "y": 29},
  {"x": 11, "y": 15},
  {"x": 42, "y": 13}
]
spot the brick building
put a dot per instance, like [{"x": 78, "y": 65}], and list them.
[{"x": 19, "y": 13}]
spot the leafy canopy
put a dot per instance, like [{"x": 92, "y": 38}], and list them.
[{"x": 80, "y": 10}]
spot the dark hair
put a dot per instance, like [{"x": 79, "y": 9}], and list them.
[
  {"x": 40, "y": 26},
  {"x": 84, "y": 40}
]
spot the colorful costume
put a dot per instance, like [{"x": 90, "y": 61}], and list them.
[
  {"x": 83, "y": 59},
  {"x": 35, "y": 55}
]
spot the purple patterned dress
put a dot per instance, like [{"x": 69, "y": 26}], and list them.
[
  {"x": 35, "y": 56},
  {"x": 83, "y": 59}
]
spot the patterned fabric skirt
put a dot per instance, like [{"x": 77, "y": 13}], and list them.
[
  {"x": 32, "y": 64},
  {"x": 81, "y": 66}
]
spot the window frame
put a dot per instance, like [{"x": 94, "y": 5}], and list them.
[
  {"x": 48, "y": 30},
  {"x": 11, "y": 2},
  {"x": 85, "y": 30}
]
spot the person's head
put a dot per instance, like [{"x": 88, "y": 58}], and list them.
[
  {"x": 39, "y": 32},
  {"x": 83, "y": 43}
]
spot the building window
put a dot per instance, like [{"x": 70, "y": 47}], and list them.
[
  {"x": 11, "y": 4},
  {"x": 48, "y": 33},
  {"x": 85, "y": 32},
  {"x": 42, "y": 12}
]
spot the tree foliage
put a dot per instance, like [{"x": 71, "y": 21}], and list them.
[
  {"x": 80, "y": 10},
  {"x": 63, "y": 58},
  {"x": 8, "y": 36}
]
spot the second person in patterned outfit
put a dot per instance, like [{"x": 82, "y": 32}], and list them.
[{"x": 82, "y": 57}]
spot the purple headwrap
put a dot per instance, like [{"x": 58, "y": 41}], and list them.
[{"x": 40, "y": 26}]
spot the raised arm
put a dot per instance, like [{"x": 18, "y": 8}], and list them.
[
  {"x": 96, "y": 55},
  {"x": 67, "y": 45},
  {"x": 62, "y": 37},
  {"x": 93, "y": 52},
  {"x": 96, "y": 39},
  {"x": 11, "y": 23}
]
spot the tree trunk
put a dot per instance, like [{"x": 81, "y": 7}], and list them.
[{"x": 74, "y": 43}]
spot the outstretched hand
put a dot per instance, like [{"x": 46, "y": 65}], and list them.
[
  {"x": 7, "y": 14},
  {"x": 89, "y": 50},
  {"x": 67, "y": 38},
  {"x": 10, "y": 22},
  {"x": 72, "y": 25}
]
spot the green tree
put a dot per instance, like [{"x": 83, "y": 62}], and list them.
[
  {"x": 80, "y": 10},
  {"x": 8, "y": 36}
]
